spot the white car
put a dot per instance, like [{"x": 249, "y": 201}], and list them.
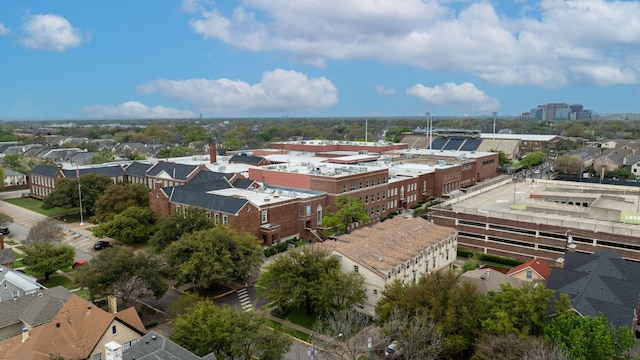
[{"x": 536, "y": 172}]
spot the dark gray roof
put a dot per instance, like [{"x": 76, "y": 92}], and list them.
[
  {"x": 245, "y": 159},
  {"x": 208, "y": 176},
  {"x": 175, "y": 170},
  {"x": 154, "y": 346},
  {"x": 137, "y": 168},
  {"x": 196, "y": 195},
  {"x": 44, "y": 170},
  {"x": 34, "y": 309},
  {"x": 6, "y": 256},
  {"x": 83, "y": 157},
  {"x": 243, "y": 183},
  {"x": 601, "y": 282},
  {"x": 109, "y": 170}
]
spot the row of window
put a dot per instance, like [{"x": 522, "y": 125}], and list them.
[
  {"x": 41, "y": 191},
  {"x": 41, "y": 180},
  {"x": 365, "y": 184}
]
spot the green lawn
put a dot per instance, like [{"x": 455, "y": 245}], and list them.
[
  {"x": 84, "y": 293},
  {"x": 18, "y": 263},
  {"x": 287, "y": 330},
  {"x": 17, "y": 256},
  {"x": 299, "y": 316},
  {"x": 36, "y": 205},
  {"x": 10, "y": 242},
  {"x": 59, "y": 280}
]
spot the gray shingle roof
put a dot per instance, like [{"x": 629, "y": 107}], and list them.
[
  {"x": 154, "y": 346},
  {"x": 6, "y": 257},
  {"x": 196, "y": 195},
  {"x": 245, "y": 159},
  {"x": 33, "y": 310},
  {"x": 137, "y": 168},
  {"x": 243, "y": 183},
  {"x": 44, "y": 170},
  {"x": 601, "y": 282},
  {"x": 109, "y": 170},
  {"x": 208, "y": 176},
  {"x": 175, "y": 170}
]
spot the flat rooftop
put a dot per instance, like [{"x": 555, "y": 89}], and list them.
[
  {"x": 541, "y": 201},
  {"x": 263, "y": 196}
]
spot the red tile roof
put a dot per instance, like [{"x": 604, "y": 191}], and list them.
[{"x": 535, "y": 264}]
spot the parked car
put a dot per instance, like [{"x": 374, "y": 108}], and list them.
[
  {"x": 392, "y": 352},
  {"x": 4, "y": 230},
  {"x": 102, "y": 245}
]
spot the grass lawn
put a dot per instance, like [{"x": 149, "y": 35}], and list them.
[
  {"x": 298, "y": 316},
  {"x": 17, "y": 264},
  {"x": 84, "y": 293},
  {"x": 287, "y": 330},
  {"x": 59, "y": 280},
  {"x": 36, "y": 205},
  {"x": 17, "y": 255},
  {"x": 10, "y": 242}
]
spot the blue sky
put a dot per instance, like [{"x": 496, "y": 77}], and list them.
[{"x": 116, "y": 59}]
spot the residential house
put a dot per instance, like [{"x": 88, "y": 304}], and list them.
[
  {"x": 154, "y": 346},
  {"x": 600, "y": 282},
  {"x": 14, "y": 178},
  {"x": 15, "y": 284},
  {"x": 401, "y": 248},
  {"x": 534, "y": 270},
  {"x": 488, "y": 279},
  {"x": 30, "y": 311},
  {"x": 80, "y": 330}
]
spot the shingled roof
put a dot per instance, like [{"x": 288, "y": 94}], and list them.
[
  {"x": 44, "y": 170},
  {"x": 601, "y": 282},
  {"x": 174, "y": 170},
  {"x": 197, "y": 195},
  {"x": 154, "y": 346}
]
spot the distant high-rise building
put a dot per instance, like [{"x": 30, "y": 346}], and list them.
[{"x": 559, "y": 111}]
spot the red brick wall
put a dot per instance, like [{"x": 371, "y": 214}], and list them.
[{"x": 272, "y": 177}]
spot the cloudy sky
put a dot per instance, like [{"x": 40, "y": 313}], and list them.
[{"x": 78, "y": 59}]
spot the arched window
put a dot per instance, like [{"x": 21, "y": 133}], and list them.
[{"x": 319, "y": 215}]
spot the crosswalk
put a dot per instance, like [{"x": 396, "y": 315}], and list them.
[{"x": 245, "y": 300}]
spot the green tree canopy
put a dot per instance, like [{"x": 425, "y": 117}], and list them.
[
  {"x": 311, "y": 277},
  {"x": 457, "y": 308},
  {"x": 521, "y": 311},
  {"x": 46, "y": 257},
  {"x": 229, "y": 334},
  {"x": 66, "y": 193},
  {"x": 134, "y": 225},
  {"x": 214, "y": 257},
  {"x": 348, "y": 211},
  {"x": 590, "y": 338},
  {"x": 120, "y": 271},
  {"x": 176, "y": 151},
  {"x": 102, "y": 157},
  {"x": 119, "y": 197},
  {"x": 171, "y": 228}
]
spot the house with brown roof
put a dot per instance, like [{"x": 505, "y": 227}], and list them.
[
  {"x": 401, "y": 248},
  {"x": 534, "y": 270},
  {"x": 488, "y": 279},
  {"x": 80, "y": 330}
]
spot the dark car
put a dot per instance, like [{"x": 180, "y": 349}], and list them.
[
  {"x": 102, "y": 245},
  {"x": 4, "y": 230}
]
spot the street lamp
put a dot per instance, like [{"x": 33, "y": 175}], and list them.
[
  {"x": 313, "y": 351},
  {"x": 429, "y": 128},
  {"x": 494, "y": 124}
]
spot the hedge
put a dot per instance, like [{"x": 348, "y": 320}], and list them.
[{"x": 488, "y": 257}]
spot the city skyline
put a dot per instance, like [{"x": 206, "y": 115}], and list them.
[{"x": 258, "y": 58}]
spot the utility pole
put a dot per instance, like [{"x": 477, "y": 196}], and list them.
[{"x": 494, "y": 124}]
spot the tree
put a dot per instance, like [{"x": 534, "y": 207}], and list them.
[
  {"x": 416, "y": 335},
  {"x": 102, "y": 157},
  {"x": 119, "y": 197},
  {"x": 520, "y": 311},
  {"x": 349, "y": 211},
  {"x": 512, "y": 347},
  {"x": 394, "y": 133},
  {"x": 590, "y": 338},
  {"x": 456, "y": 308},
  {"x": 176, "y": 151},
  {"x": 5, "y": 219},
  {"x": 533, "y": 159},
  {"x": 229, "y": 334},
  {"x": 46, "y": 230},
  {"x": 171, "y": 228},
  {"x": 568, "y": 164},
  {"x": 66, "y": 193},
  {"x": 503, "y": 160},
  {"x": 46, "y": 257},
  {"x": 129, "y": 275},
  {"x": 349, "y": 331},
  {"x": 214, "y": 257},
  {"x": 308, "y": 277},
  {"x": 134, "y": 225}
]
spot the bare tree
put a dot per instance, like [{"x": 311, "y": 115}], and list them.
[
  {"x": 512, "y": 347},
  {"x": 416, "y": 335},
  {"x": 44, "y": 231},
  {"x": 5, "y": 219},
  {"x": 347, "y": 334}
]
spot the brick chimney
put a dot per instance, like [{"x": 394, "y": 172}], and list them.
[
  {"x": 25, "y": 334},
  {"x": 213, "y": 155},
  {"x": 112, "y": 304},
  {"x": 1, "y": 241}
]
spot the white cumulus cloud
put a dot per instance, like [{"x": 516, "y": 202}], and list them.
[
  {"x": 278, "y": 91},
  {"x": 3, "y": 29},
  {"x": 540, "y": 45},
  {"x": 51, "y": 32},
  {"x": 463, "y": 97},
  {"x": 384, "y": 90},
  {"x": 134, "y": 110}
]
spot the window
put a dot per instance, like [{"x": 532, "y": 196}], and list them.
[
  {"x": 264, "y": 216},
  {"x": 355, "y": 268},
  {"x": 375, "y": 292},
  {"x": 225, "y": 219},
  {"x": 360, "y": 184},
  {"x": 308, "y": 210},
  {"x": 319, "y": 215},
  {"x": 366, "y": 183},
  {"x": 97, "y": 356},
  {"x": 353, "y": 186},
  {"x": 344, "y": 188},
  {"x": 366, "y": 199},
  {"x": 114, "y": 330},
  {"x": 216, "y": 218},
  {"x": 177, "y": 209},
  {"x": 529, "y": 274}
]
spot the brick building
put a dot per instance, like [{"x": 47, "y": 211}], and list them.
[{"x": 43, "y": 178}]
